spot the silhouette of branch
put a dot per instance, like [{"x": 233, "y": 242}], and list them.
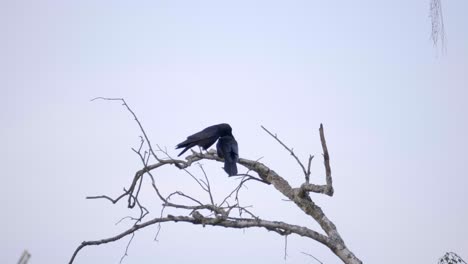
[
  {"x": 310, "y": 255},
  {"x": 326, "y": 161},
  {"x": 134, "y": 116},
  {"x": 290, "y": 151},
  {"x": 309, "y": 163},
  {"x": 126, "y": 248},
  {"x": 198, "y": 219},
  {"x": 221, "y": 214}
]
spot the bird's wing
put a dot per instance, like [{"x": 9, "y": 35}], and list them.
[
  {"x": 206, "y": 135},
  {"x": 207, "y": 142},
  {"x": 219, "y": 149},
  {"x": 205, "y": 139}
]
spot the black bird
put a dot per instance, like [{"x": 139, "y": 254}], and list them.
[
  {"x": 227, "y": 149},
  {"x": 205, "y": 138}
]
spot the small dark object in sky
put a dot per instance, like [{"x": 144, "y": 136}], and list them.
[
  {"x": 205, "y": 138},
  {"x": 227, "y": 149}
]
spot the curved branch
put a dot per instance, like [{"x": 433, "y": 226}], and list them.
[
  {"x": 302, "y": 200},
  {"x": 219, "y": 214},
  {"x": 298, "y": 195},
  {"x": 134, "y": 116},
  {"x": 289, "y": 150},
  {"x": 276, "y": 226}
]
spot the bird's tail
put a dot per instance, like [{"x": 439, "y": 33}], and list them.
[
  {"x": 183, "y": 151},
  {"x": 230, "y": 167},
  {"x": 186, "y": 145}
]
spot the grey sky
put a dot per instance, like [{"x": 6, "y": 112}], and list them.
[{"x": 393, "y": 108}]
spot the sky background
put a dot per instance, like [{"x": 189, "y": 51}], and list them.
[{"x": 394, "y": 110}]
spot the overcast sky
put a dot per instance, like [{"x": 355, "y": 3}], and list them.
[{"x": 394, "y": 111}]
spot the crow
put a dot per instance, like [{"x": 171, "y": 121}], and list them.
[
  {"x": 205, "y": 138},
  {"x": 227, "y": 149}
]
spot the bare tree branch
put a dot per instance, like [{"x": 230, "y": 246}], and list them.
[
  {"x": 310, "y": 255},
  {"x": 136, "y": 119},
  {"x": 288, "y": 149},
  {"x": 275, "y": 226},
  {"x": 126, "y": 248},
  {"x": 308, "y": 168},
  {"x": 222, "y": 214},
  {"x": 326, "y": 161}
]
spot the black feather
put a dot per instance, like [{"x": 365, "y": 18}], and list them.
[
  {"x": 227, "y": 148},
  {"x": 205, "y": 138}
]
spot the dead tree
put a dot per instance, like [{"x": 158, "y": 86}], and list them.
[{"x": 228, "y": 212}]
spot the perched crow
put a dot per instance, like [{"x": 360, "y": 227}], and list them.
[
  {"x": 227, "y": 149},
  {"x": 205, "y": 138}
]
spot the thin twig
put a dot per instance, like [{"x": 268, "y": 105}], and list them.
[
  {"x": 275, "y": 226},
  {"x": 220, "y": 215},
  {"x": 114, "y": 201},
  {"x": 285, "y": 247},
  {"x": 308, "y": 168},
  {"x": 126, "y": 249},
  {"x": 208, "y": 186},
  {"x": 124, "y": 103},
  {"x": 288, "y": 149},
  {"x": 310, "y": 255}
]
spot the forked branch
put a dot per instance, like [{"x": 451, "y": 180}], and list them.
[{"x": 208, "y": 211}]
